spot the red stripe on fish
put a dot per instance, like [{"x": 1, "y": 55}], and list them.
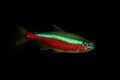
[{"x": 56, "y": 44}]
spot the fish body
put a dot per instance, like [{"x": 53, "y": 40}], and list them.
[{"x": 61, "y": 41}]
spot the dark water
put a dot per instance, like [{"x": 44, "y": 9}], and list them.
[{"x": 68, "y": 16}]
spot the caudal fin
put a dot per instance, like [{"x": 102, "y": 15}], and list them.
[
  {"x": 22, "y": 30},
  {"x": 21, "y": 40}
]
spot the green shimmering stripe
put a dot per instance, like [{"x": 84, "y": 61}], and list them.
[{"x": 62, "y": 38}]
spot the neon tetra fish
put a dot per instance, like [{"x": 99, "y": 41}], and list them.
[{"x": 59, "y": 41}]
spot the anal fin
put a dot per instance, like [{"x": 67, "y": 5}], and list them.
[{"x": 44, "y": 48}]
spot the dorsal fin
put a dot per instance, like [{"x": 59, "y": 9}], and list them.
[{"x": 58, "y": 29}]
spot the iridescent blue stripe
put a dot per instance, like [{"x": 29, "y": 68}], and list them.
[{"x": 61, "y": 37}]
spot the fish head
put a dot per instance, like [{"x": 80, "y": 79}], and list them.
[{"x": 88, "y": 46}]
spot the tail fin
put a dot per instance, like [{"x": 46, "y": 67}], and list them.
[
  {"x": 22, "y": 40},
  {"x": 22, "y": 31}
]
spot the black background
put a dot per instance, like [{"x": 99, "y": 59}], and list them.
[{"x": 74, "y": 17}]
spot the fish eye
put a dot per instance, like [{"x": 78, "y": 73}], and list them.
[{"x": 88, "y": 45}]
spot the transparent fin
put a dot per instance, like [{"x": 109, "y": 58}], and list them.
[
  {"x": 20, "y": 41},
  {"x": 22, "y": 31},
  {"x": 44, "y": 48},
  {"x": 58, "y": 29}
]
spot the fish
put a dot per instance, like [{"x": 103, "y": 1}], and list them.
[{"x": 58, "y": 41}]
